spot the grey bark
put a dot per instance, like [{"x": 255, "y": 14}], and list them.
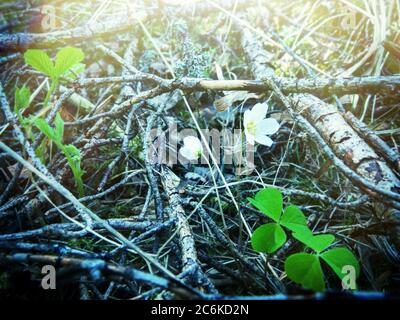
[{"x": 330, "y": 124}]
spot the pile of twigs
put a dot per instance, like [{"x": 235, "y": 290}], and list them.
[{"x": 148, "y": 229}]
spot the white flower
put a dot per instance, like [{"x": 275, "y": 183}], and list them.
[
  {"x": 257, "y": 127},
  {"x": 192, "y": 148}
]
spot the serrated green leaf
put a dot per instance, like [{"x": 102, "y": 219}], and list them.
[
  {"x": 41, "y": 150},
  {"x": 74, "y": 71},
  {"x": 340, "y": 257},
  {"x": 268, "y": 201},
  {"x": 40, "y": 61},
  {"x": 59, "y": 128},
  {"x": 305, "y": 269},
  {"x": 44, "y": 127},
  {"x": 74, "y": 153},
  {"x": 67, "y": 58},
  {"x": 293, "y": 219},
  {"x": 268, "y": 238},
  {"x": 73, "y": 156},
  {"x": 317, "y": 243},
  {"x": 22, "y": 96}
]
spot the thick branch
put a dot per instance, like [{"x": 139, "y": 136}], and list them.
[
  {"x": 332, "y": 131},
  {"x": 319, "y": 86},
  {"x": 21, "y": 41}
]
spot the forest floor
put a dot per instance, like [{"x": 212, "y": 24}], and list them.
[{"x": 280, "y": 106}]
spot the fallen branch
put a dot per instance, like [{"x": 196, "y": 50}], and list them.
[
  {"x": 69, "y": 230},
  {"x": 96, "y": 268},
  {"x": 22, "y": 41},
  {"x": 84, "y": 211},
  {"x": 328, "y": 128},
  {"x": 186, "y": 241},
  {"x": 380, "y": 146}
]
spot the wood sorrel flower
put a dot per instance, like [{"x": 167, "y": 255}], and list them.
[
  {"x": 257, "y": 127},
  {"x": 192, "y": 148}
]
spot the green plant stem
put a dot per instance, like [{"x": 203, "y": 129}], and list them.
[
  {"x": 75, "y": 171},
  {"x": 49, "y": 93}
]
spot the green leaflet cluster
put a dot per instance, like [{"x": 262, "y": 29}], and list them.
[
  {"x": 303, "y": 268},
  {"x": 21, "y": 102},
  {"x": 71, "y": 152},
  {"x": 67, "y": 64}
]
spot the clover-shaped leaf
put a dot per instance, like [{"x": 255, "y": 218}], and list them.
[
  {"x": 268, "y": 201},
  {"x": 338, "y": 258},
  {"x": 318, "y": 243},
  {"x": 293, "y": 219},
  {"x": 271, "y": 237},
  {"x": 268, "y": 238},
  {"x": 305, "y": 269}
]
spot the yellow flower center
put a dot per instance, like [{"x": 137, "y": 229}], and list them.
[
  {"x": 198, "y": 153},
  {"x": 251, "y": 128}
]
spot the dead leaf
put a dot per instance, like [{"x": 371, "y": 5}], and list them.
[{"x": 228, "y": 100}]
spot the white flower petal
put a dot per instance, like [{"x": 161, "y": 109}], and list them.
[
  {"x": 267, "y": 126},
  {"x": 264, "y": 140},
  {"x": 259, "y": 111},
  {"x": 249, "y": 137},
  {"x": 247, "y": 118},
  {"x": 188, "y": 153},
  {"x": 193, "y": 143}
]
